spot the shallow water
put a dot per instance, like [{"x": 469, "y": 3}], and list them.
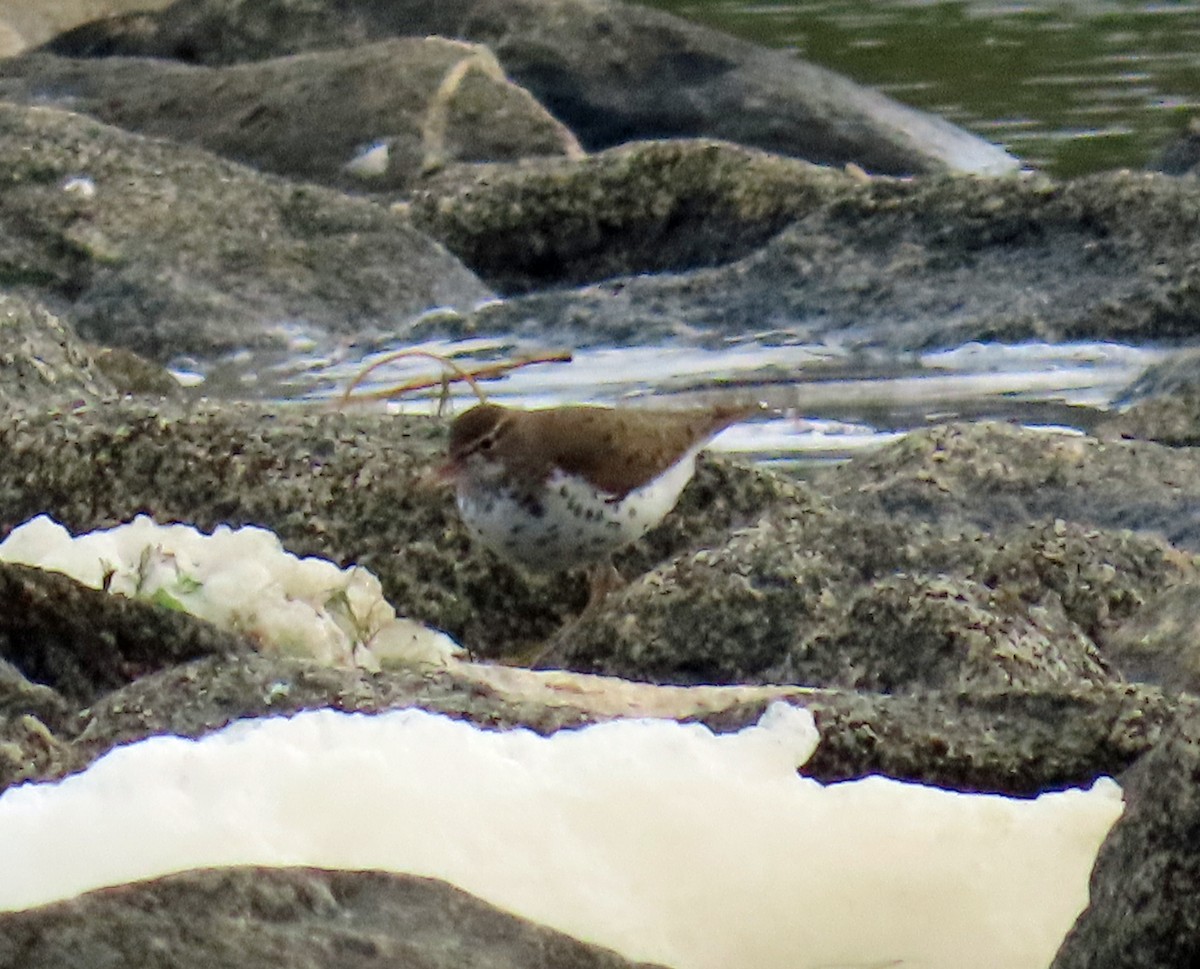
[
  {"x": 1069, "y": 87},
  {"x": 820, "y": 402}
]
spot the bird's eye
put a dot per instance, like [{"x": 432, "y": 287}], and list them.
[{"x": 486, "y": 443}]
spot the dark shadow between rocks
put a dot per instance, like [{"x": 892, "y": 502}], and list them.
[{"x": 83, "y": 642}]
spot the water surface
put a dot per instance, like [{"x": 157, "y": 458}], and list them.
[
  {"x": 1069, "y": 87},
  {"x": 820, "y": 403}
]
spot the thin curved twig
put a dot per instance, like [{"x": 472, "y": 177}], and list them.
[{"x": 486, "y": 372}]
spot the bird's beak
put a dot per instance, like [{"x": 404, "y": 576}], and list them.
[
  {"x": 448, "y": 471},
  {"x": 445, "y": 475}
]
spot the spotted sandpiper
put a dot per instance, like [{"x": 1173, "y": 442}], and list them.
[{"x": 555, "y": 488}]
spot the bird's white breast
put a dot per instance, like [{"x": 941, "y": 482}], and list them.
[{"x": 577, "y": 522}]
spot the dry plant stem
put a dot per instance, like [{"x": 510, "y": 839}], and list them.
[
  {"x": 423, "y": 383},
  {"x": 488, "y": 372}
]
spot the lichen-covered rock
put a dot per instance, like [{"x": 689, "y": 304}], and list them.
[
  {"x": 1012, "y": 741},
  {"x": 933, "y": 262},
  {"x": 427, "y": 101},
  {"x": 1164, "y": 403},
  {"x": 83, "y": 642},
  {"x": 867, "y": 602},
  {"x": 992, "y": 474},
  {"x": 645, "y": 207},
  {"x": 1160, "y": 644},
  {"x": 1172, "y": 418}
]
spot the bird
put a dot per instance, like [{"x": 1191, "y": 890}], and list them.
[{"x": 565, "y": 486}]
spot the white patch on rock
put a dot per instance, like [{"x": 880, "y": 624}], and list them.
[
  {"x": 658, "y": 839},
  {"x": 239, "y": 579},
  {"x": 371, "y": 162}
]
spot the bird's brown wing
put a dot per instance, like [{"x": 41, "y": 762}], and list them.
[{"x": 621, "y": 449}]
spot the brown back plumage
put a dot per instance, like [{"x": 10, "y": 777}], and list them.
[{"x": 616, "y": 449}]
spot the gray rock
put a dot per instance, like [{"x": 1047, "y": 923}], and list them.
[
  {"x": 429, "y": 101},
  {"x": 19, "y": 697},
  {"x": 83, "y": 642},
  {"x": 862, "y": 601},
  {"x": 992, "y": 475},
  {"x": 1143, "y": 912},
  {"x": 35, "y": 722},
  {"x": 302, "y": 918},
  {"x": 613, "y": 72},
  {"x": 1177, "y": 375},
  {"x": 32, "y": 748},
  {"x": 1013, "y": 742},
  {"x": 165, "y": 249},
  {"x": 645, "y": 207},
  {"x": 1159, "y": 644},
  {"x": 912, "y": 265},
  {"x": 42, "y": 362},
  {"x": 1172, "y": 419},
  {"x": 1163, "y": 404},
  {"x": 1181, "y": 156},
  {"x": 23, "y": 23}
]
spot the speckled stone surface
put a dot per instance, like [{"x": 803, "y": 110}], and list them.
[
  {"x": 1143, "y": 912},
  {"x": 991, "y": 475},
  {"x": 302, "y": 918},
  {"x": 1013, "y": 742},
  {"x": 43, "y": 361},
  {"x": 650, "y": 206},
  {"x": 865, "y": 601},
  {"x": 934, "y": 262}
]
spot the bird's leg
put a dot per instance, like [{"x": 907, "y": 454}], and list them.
[{"x": 603, "y": 579}]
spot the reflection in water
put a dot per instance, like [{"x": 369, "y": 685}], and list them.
[{"x": 1067, "y": 86}]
